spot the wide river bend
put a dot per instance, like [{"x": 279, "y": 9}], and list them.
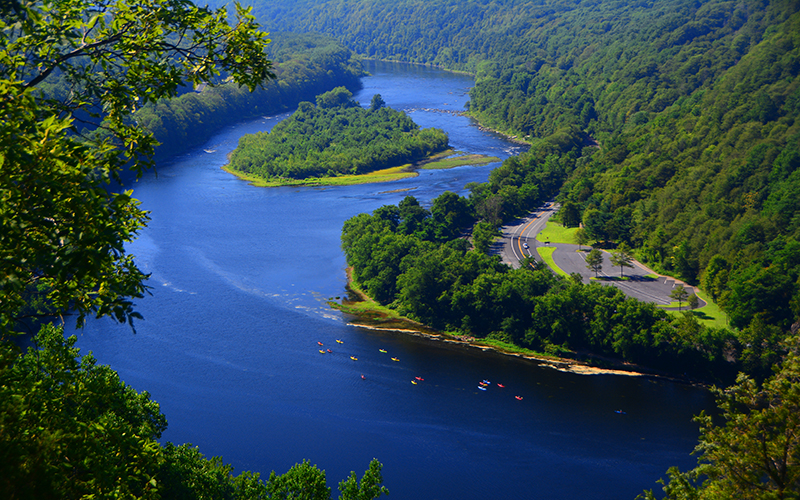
[{"x": 229, "y": 348}]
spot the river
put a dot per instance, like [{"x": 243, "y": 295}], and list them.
[{"x": 228, "y": 346}]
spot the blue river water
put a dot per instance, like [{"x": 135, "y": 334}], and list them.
[{"x": 229, "y": 343}]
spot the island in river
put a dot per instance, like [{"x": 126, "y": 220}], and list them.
[{"x": 339, "y": 142}]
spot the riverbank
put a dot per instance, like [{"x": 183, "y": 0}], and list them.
[
  {"x": 370, "y": 315},
  {"x": 365, "y": 57},
  {"x": 511, "y": 138},
  {"x": 442, "y": 160}
]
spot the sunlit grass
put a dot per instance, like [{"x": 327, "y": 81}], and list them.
[
  {"x": 509, "y": 347},
  {"x": 385, "y": 175},
  {"x": 556, "y": 233},
  {"x": 709, "y": 315},
  {"x": 546, "y": 253},
  {"x": 610, "y": 277},
  {"x": 460, "y": 161},
  {"x": 442, "y": 160}
]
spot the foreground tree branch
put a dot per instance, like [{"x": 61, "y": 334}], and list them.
[{"x": 64, "y": 230}]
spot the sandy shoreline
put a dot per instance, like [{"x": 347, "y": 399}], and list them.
[{"x": 560, "y": 364}]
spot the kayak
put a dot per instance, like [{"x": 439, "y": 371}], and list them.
[
  {"x": 339, "y": 341},
  {"x": 481, "y": 387},
  {"x": 414, "y": 382},
  {"x": 420, "y": 379},
  {"x": 519, "y": 398},
  {"x": 354, "y": 358},
  {"x": 320, "y": 343},
  {"x": 500, "y": 385},
  {"x": 382, "y": 350},
  {"x": 321, "y": 351},
  {"x": 395, "y": 359}
]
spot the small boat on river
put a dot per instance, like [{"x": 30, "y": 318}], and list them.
[
  {"x": 395, "y": 359},
  {"x": 519, "y": 398},
  {"x": 354, "y": 358},
  {"x": 339, "y": 341},
  {"x": 320, "y": 343},
  {"x": 321, "y": 351},
  {"x": 414, "y": 382},
  {"x": 382, "y": 350}
]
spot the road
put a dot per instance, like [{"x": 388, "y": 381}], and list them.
[
  {"x": 519, "y": 237},
  {"x": 519, "y": 241}
]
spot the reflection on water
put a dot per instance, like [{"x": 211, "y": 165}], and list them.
[{"x": 229, "y": 344}]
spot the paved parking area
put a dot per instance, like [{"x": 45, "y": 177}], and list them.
[{"x": 639, "y": 282}]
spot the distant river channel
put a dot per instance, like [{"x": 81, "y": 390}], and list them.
[{"x": 229, "y": 343}]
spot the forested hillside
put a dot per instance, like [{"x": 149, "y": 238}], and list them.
[
  {"x": 676, "y": 122},
  {"x": 305, "y": 65},
  {"x": 670, "y": 125}
]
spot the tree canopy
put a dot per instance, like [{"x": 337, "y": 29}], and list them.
[
  {"x": 415, "y": 260},
  {"x": 337, "y": 136},
  {"x": 670, "y": 126},
  {"x": 754, "y": 452},
  {"x": 305, "y": 66},
  {"x": 69, "y": 427},
  {"x": 64, "y": 230}
]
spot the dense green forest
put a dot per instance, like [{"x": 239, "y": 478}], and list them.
[
  {"x": 69, "y": 427},
  {"x": 413, "y": 260},
  {"x": 667, "y": 125},
  {"x": 670, "y": 126},
  {"x": 673, "y": 124},
  {"x": 305, "y": 65},
  {"x": 337, "y": 136}
]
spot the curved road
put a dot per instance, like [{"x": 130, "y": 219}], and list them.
[
  {"x": 519, "y": 241},
  {"x": 519, "y": 237}
]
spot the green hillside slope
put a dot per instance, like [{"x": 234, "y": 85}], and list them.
[{"x": 677, "y": 119}]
